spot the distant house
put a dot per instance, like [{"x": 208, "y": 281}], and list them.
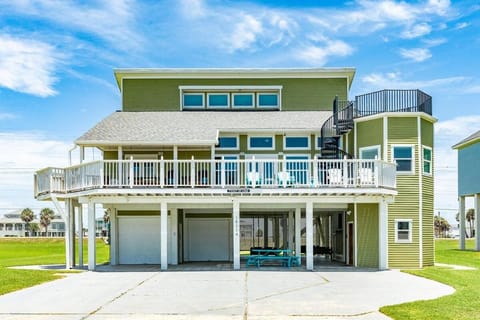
[
  {"x": 203, "y": 164},
  {"x": 11, "y": 225},
  {"x": 469, "y": 182}
]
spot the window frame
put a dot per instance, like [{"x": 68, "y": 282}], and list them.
[
  {"x": 218, "y": 94},
  {"x": 260, "y": 136},
  {"x": 429, "y": 161},
  {"x": 260, "y": 93},
  {"x": 410, "y": 231},
  {"x": 252, "y": 94},
  {"x": 412, "y": 159},
  {"x": 237, "y": 138},
  {"x": 193, "y": 94},
  {"x": 368, "y": 148},
  {"x": 296, "y": 148}
]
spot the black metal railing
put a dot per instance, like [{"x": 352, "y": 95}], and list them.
[{"x": 392, "y": 101}]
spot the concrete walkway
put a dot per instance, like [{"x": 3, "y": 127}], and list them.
[{"x": 126, "y": 293}]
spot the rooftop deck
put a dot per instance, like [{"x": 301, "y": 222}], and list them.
[{"x": 215, "y": 176}]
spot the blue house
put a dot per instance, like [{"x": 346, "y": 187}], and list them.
[{"x": 469, "y": 182}]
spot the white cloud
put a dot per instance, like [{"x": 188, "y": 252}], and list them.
[
  {"x": 416, "y": 54},
  {"x": 28, "y": 66},
  {"x": 434, "y": 42},
  {"x": 316, "y": 55},
  {"x": 244, "y": 34},
  {"x": 417, "y": 30},
  {"x": 193, "y": 8},
  {"x": 7, "y": 116},
  {"x": 461, "y": 25},
  {"x": 394, "y": 80}
]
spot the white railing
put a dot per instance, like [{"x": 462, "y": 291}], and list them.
[{"x": 252, "y": 173}]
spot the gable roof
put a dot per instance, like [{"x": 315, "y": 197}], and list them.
[
  {"x": 469, "y": 140},
  {"x": 195, "y": 128}
]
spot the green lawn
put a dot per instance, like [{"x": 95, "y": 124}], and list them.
[
  {"x": 463, "y": 304},
  {"x": 33, "y": 251}
]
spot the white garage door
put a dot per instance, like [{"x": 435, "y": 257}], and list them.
[
  {"x": 208, "y": 239},
  {"x": 139, "y": 240}
]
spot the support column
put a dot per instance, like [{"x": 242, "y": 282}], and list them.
[
  {"x": 68, "y": 237},
  {"x": 91, "y": 236},
  {"x": 236, "y": 235},
  {"x": 174, "y": 237},
  {"x": 80, "y": 234},
  {"x": 265, "y": 231},
  {"x": 382, "y": 235},
  {"x": 476, "y": 205},
  {"x": 113, "y": 237},
  {"x": 276, "y": 232},
  {"x": 309, "y": 227},
  {"x": 163, "y": 236},
  {"x": 298, "y": 230},
  {"x": 72, "y": 232},
  {"x": 461, "y": 218},
  {"x": 291, "y": 230}
]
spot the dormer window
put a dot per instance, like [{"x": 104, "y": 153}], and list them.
[{"x": 230, "y": 97}]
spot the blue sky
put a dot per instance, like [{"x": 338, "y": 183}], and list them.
[{"x": 56, "y": 61}]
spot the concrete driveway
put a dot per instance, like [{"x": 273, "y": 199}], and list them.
[{"x": 337, "y": 293}]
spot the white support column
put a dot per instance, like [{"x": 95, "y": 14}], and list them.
[
  {"x": 461, "y": 210},
  {"x": 174, "y": 232},
  {"x": 355, "y": 218},
  {"x": 212, "y": 166},
  {"x": 68, "y": 237},
  {"x": 71, "y": 217},
  {"x": 113, "y": 237},
  {"x": 164, "y": 235},
  {"x": 80, "y": 234},
  {"x": 291, "y": 230},
  {"x": 175, "y": 166},
  {"x": 92, "y": 261},
  {"x": 236, "y": 235},
  {"x": 476, "y": 204},
  {"x": 382, "y": 235},
  {"x": 82, "y": 154},
  {"x": 309, "y": 227},
  {"x": 298, "y": 230},
  {"x": 120, "y": 165}
]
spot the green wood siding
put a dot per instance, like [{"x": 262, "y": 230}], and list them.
[
  {"x": 428, "y": 230},
  {"x": 297, "y": 94},
  {"x": 367, "y": 235},
  {"x": 427, "y": 133},
  {"x": 370, "y": 133}
]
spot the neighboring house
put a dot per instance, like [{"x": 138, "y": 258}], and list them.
[
  {"x": 201, "y": 164},
  {"x": 469, "y": 182},
  {"x": 12, "y": 225}
]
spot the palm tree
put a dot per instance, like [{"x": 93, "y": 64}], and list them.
[
  {"x": 441, "y": 226},
  {"x": 27, "y": 216},
  {"x": 470, "y": 216},
  {"x": 46, "y": 216},
  {"x": 34, "y": 227}
]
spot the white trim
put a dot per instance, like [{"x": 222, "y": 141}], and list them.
[
  {"x": 355, "y": 256},
  {"x": 252, "y": 94},
  {"x": 268, "y": 107},
  {"x": 218, "y": 94},
  {"x": 237, "y": 137},
  {"x": 385, "y": 138},
  {"x": 376, "y": 147},
  {"x": 410, "y": 230},
  {"x": 420, "y": 192},
  {"x": 412, "y": 147},
  {"x": 228, "y": 89},
  {"x": 422, "y": 115},
  {"x": 285, "y": 137},
  {"x": 423, "y": 160},
  {"x": 261, "y": 136}
]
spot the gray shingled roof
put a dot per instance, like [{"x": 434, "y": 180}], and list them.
[
  {"x": 194, "y": 128},
  {"x": 472, "y": 137}
]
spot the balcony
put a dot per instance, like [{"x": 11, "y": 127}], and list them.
[{"x": 215, "y": 176}]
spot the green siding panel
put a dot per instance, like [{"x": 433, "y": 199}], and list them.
[
  {"x": 370, "y": 133},
  {"x": 297, "y": 94},
  {"x": 367, "y": 235}
]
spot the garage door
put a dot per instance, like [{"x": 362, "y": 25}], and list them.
[
  {"x": 139, "y": 240},
  {"x": 208, "y": 239}
]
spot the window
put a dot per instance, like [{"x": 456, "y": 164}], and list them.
[
  {"x": 370, "y": 153},
  {"x": 243, "y": 100},
  {"x": 229, "y": 143},
  {"x": 265, "y": 143},
  {"x": 403, "y": 156},
  {"x": 297, "y": 143},
  {"x": 427, "y": 160},
  {"x": 193, "y": 100},
  {"x": 403, "y": 230},
  {"x": 267, "y": 100},
  {"x": 218, "y": 100}
]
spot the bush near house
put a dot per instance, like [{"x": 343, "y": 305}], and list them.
[
  {"x": 35, "y": 251},
  {"x": 464, "y": 303}
]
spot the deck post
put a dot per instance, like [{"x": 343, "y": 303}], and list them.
[
  {"x": 174, "y": 238},
  {"x": 309, "y": 227},
  {"x": 476, "y": 205},
  {"x": 80, "y": 234},
  {"x": 461, "y": 210},
  {"x": 382, "y": 235},
  {"x": 91, "y": 236},
  {"x": 298, "y": 236},
  {"x": 291, "y": 230},
  {"x": 236, "y": 235},
  {"x": 163, "y": 236},
  {"x": 113, "y": 237}
]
